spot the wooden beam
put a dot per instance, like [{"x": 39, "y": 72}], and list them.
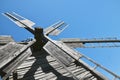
[
  {"x": 24, "y": 52},
  {"x": 8, "y": 52},
  {"x": 40, "y": 39},
  {"x": 58, "y": 58}
]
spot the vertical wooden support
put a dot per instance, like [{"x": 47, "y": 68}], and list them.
[{"x": 40, "y": 39}]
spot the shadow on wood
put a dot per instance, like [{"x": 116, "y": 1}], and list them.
[{"x": 45, "y": 67}]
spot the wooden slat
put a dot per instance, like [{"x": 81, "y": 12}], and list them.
[
  {"x": 5, "y": 39},
  {"x": 23, "y": 53},
  {"x": 95, "y": 73},
  {"x": 72, "y": 42},
  {"x": 55, "y": 29},
  {"x": 58, "y": 53},
  {"x": 39, "y": 70},
  {"x": 39, "y": 73},
  {"x": 40, "y": 62},
  {"x": 12, "y": 66},
  {"x": 44, "y": 75},
  {"x": 69, "y": 50},
  {"x": 8, "y": 52},
  {"x": 16, "y": 62},
  {"x": 59, "y": 59},
  {"x": 74, "y": 45}
]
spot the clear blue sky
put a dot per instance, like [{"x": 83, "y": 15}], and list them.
[{"x": 86, "y": 19}]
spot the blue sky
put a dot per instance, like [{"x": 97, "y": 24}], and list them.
[{"x": 86, "y": 19}]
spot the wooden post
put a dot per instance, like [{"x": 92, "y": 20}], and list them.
[
  {"x": 40, "y": 39},
  {"x": 15, "y": 75}
]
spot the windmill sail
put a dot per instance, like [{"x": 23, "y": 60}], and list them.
[
  {"x": 91, "y": 43},
  {"x": 72, "y": 42},
  {"x": 58, "y": 53},
  {"x": 19, "y": 20},
  {"x": 56, "y": 28},
  {"x": 62, "y": 52}
]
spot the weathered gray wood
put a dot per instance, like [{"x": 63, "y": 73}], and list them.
[
  {"x": 17, "y": 61},
  {"x": 74, "y": 45},
  {"x": 45, "y": 66},
  {"x": 95, "y": 73},
  {"x": 41, "y": 75},
  {"x": 11, "y": 67},
  {"x": 63, "y": 59},
  {"x": 24, "y": 52},
  {"x": 87, "y": 77},
  {"x": 40, "y": 62},
  {"x": 8, "y": 52},
  {"x": 20, "y": 21},
  {"x": 5, "y": 39},
  {"x": 72, "y": 42},
  {"x": 39, "y": 70},
  {"x": 55, "y": 29},
  {"x": 21, "y": 71},
  {"x": 58, "y": 59},
  {"x": 58, "y": 53},
  {"x": 70, "y": 51}
]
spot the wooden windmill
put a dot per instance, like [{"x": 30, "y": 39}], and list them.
[{"x": 43, "y": 58}]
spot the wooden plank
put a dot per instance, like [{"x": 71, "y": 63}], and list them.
[
  {"x": 42, "y": 75},
  {"x": 58, "y": 53},
  {"x": 72, "y": 42},
  {"x": 55, "y": 29},
  {"x": 21, "y": 71},
  {"x": 41, "y": 66},
  {"x": 6, "y": 39},
  {"x": 76, "y": 55},
  {"x": 46, "y": 67},
  {"x": 57, "y": 59},
  {"x": 24, "y": 52},
  {"x": 38, "y": 71},
  {"x": 11, "y": 67},
  {"x": 88, "y": 76},
  {"x": 74, "y": 45},
  {"x": 15, "y": 62},
  {"x": 64, "y": 74},
  {"x": 8, "y": 52},
  {"x": 37, "y": 62},
  {"x": 95, "y": 73},
  {"x": 12, "y": 16}
]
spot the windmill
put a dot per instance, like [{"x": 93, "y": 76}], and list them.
[{"x": 25, "y": 60}]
